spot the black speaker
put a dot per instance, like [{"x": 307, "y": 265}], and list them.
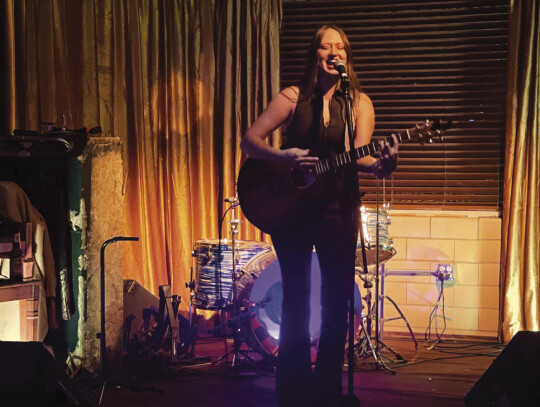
[
  {"x": 30, "y": 376},
  {"x": 513, "y": 379}
]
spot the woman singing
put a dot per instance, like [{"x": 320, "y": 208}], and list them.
[{"x": 313, "y": 115}]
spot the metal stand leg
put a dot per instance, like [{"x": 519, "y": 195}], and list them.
[
  {"x": 102, "y": 334},
  {"x": 236, "y": 322},
  {"x": 365, "y": 347},
  {"x": 382, "y": 297},
  {"x": 401, "y": 316}
]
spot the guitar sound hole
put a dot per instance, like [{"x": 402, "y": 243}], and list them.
[{"x": 302, "y": 178}]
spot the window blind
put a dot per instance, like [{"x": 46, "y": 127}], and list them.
[{"x": 418, "y": 61}]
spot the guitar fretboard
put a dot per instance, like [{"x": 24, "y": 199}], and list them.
[{"x": 348, "y": 157}]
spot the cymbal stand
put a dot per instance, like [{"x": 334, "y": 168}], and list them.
[
  {"x": 380, "y": 297},
  {"x": 237, "y": 316},
  {"x": 362, "y": 346}
]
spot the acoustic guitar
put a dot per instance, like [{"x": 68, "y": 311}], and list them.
[{"x": 272, "y": 194}]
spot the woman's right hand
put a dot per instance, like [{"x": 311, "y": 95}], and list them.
[{"x": 298, "y": 158}]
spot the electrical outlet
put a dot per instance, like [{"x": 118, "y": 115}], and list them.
[{"x": 444, "y": 272}]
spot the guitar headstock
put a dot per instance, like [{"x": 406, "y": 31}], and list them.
[{"x": 425, "y": 132}]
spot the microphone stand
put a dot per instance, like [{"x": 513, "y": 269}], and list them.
[{"x": 351, "y": 399}]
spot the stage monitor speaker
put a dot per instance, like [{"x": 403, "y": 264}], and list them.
[
  {"x": 513, "y": 379},
  {"x": 30, "y": 376},
  {"x": 136, "y": 299}
]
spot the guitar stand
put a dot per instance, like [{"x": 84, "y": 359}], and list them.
[{"x": 102, "y": 335}]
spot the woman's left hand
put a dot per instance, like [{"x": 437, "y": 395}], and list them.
[{"x": 388, "y": 160}]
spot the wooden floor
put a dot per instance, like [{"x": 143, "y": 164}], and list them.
[{"x": 431, "y": 377}]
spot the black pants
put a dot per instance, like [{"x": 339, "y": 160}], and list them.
[{"x": 334, "y": 236}]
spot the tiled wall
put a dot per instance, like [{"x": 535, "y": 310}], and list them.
[{"x": 469, "y": 240}]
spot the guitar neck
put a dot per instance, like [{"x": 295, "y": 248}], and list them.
[{"x": 349, "y": 157}]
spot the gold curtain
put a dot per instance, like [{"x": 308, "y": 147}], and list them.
[
  {"x": 520, "y": 258},
  {"x": 178, "y": 81}
]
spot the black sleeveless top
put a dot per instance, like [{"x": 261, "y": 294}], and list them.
[{"x": 308, "y": 131}]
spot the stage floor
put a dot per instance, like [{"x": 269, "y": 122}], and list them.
[{"x": 431, "y": 377}]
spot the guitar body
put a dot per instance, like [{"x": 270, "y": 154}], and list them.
[{"x": 271, "y": 195}]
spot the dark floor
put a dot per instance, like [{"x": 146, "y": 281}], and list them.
[{"x": 431, "y": 377}]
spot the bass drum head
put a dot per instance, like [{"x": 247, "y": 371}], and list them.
[{"x": 261, "y": 283}]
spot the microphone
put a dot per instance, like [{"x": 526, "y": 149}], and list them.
[{"x": 341, "y": 68}]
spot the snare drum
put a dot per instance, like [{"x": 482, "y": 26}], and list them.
[
  {"x": 261, "y": 282},
  {"x": 214, "y": 269},
  {"x": 368, "y": 218}
]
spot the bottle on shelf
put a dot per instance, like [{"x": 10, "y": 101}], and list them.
[{"x": 16, "y": 260}]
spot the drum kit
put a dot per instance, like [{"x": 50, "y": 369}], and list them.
[{"x": 243, "y": 278}]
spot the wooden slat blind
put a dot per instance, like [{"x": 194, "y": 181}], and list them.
[{"x": 417, "y": 61}]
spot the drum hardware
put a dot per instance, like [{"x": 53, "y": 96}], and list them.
[
  {"x": 237, "y": 315},
  {"x": 361, "y": 347},
  {"x": 383, "y": 320},
  {"x": 261, "y": 281},
  {"x": 371, "y": 223},
  {"x": 219, "y": 266},
  {"x": 237, "y": 322},
  {"x": 365, "y": 346},
  {"x": 191, "y": 286},
  {"x": 244, "y": 314},
  {"x": 376, "y": 310},
  {"x": 181, "y": 337}
]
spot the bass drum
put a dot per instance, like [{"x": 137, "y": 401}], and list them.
[{"x": 261, "y": 284}]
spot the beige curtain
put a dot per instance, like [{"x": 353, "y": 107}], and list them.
[
  {"x": 178, "y": 81},
  {"x": 520, "y": 259}
]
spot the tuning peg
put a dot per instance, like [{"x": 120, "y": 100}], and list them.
[{"x": 440, "y": 136}]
